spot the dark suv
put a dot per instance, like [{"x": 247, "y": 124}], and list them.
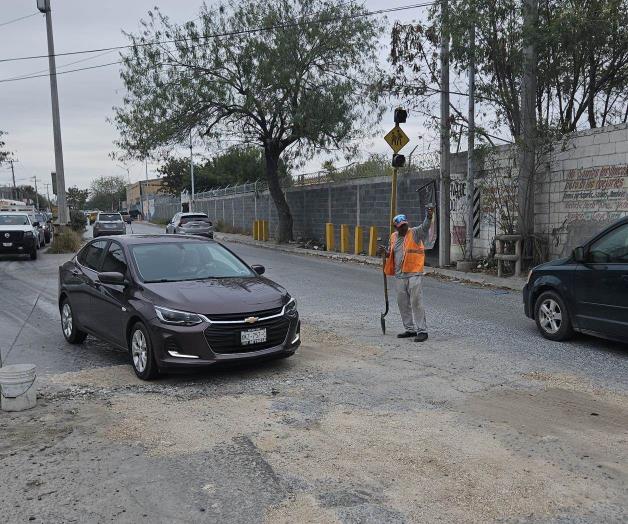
[{"x": 587, "y": 292}]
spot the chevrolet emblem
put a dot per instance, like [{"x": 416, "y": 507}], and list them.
[{"x": 251, "y": 320}]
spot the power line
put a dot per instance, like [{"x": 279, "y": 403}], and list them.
[
  {"x": 288, "y": 25},
  {"x": 18, "y": 19}
]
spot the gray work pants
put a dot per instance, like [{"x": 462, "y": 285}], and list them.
[{"x": 410, "y": 302}]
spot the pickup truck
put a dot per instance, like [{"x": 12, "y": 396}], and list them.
[{"x": 18, "y": 234}]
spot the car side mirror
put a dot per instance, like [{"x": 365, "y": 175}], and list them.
[
  {"x": 260, "y": 270},
  {"x": 113, "y": 278},
  {"x": 36, "y": 224},
  {"x": 578, "y": 254}
]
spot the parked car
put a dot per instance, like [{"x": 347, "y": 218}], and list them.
[
  {"x": 126, "y": 217},
  {"x": 191, "y": 224},
  {"x": 18, "y": 234},
  {"x": 587, "y": 292},
  {"x": 45, "y": 225},
  {"x": 109, "y": 224},
  {"x": 175, "y": 302}
]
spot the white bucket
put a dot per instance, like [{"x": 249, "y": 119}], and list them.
[{"x": 17, "y": 387}]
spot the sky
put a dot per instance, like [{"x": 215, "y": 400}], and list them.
[{"x": 86, "y": 98}]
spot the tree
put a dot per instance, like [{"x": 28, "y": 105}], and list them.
[
  {"x": 77, "y": 198},
  {"x": 582, "y": 49},
  {"x": 107, "y": 192},
  {"x": 236, "y": 166},
  {"x": 4, "y": 154},
  {"x": 293, "y": 81}
]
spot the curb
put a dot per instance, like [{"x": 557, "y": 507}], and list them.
[{"x": 511, "y": 284}]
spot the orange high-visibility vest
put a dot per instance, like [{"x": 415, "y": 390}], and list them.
[{"x": 413, "y": 255}]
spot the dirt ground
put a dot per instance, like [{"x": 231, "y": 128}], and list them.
[{"x": 341, "y": 432}]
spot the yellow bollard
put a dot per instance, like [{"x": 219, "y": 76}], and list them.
[
  {"x": 372, "y": 241},
  {"x": 358, "y": 246},
  {"x": 344, "y": 238},
  {"x": 265, "y": 234},
  {"x": 255, "y": 230},
  {"x": 329, "y": 236}
]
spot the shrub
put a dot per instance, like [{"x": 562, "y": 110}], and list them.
[
  {"x": 66, "y": 241},
  {"x": 78, "y": 221}
]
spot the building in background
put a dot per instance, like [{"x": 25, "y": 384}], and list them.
[{"x": 136, "y": 193}]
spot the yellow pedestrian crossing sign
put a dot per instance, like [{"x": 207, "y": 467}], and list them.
[{"x": 396, "y": 139}]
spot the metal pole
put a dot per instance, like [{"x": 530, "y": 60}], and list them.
[
  {"x": 191, "y": 172},
  {"x": 444, "y": 246},
  {"x": 470, "y": 147},
  {"x": 36, "y": 194},
  {"x": 13, "y": 175},
  {"x": 393, "y": 199},
  {"x": 48, "y": 195},
  {"x": 56, "y": 122}
]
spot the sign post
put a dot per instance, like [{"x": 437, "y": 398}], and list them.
[{"x": 396, "y": 139}]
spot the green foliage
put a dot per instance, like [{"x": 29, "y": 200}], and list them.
[
  {"x": 26, "y": 192},
  {"x": 237, "y": 166},
  {"x": 294, "y": 91},
  {"x": 66, "y": 241},
  {"x": 4, "y": 154},
  {"x": 106, "y": 193},
  {"x": 78, "y": 221},
  {"x": 77, "y": 198},
  {"x": 582, "y": 50}
]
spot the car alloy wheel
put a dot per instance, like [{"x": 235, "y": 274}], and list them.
[
  {"x": 551, "y": 316},
  {"x": 139, "y": 351},
  {"x": 66, "y": 320}
]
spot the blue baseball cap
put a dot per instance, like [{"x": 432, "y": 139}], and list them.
[{"x": 400, "y": 220}]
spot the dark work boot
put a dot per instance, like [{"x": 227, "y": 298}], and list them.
[
  {"x": 407, "y": 334},
  {"x": 420, "y": 337}
]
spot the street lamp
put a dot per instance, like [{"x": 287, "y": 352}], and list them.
[{"x": 44, "y": 7}]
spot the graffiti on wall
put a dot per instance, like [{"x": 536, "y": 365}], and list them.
[{"x": 598, "y": 194}]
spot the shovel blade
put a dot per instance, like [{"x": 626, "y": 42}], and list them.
[{"x": 382, "y": 320}]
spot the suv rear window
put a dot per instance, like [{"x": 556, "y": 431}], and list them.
[
  {"x": 194, "y": 218},
  {"x": 109, "y": 217}
]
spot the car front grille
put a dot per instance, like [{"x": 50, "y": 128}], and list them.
[
  {"x": 14, "y": 236},
  {"x": 239, "y": 317},
  {"x": 226, "y": 338}
]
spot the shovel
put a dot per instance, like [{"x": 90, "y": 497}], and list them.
[{"x": 382, "y": 317}]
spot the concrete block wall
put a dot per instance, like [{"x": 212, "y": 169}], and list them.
[{"x": 582, "y": 187}]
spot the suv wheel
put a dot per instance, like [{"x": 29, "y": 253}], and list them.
[
  {"x": 141, "y": 350},
  {"x": 33, "y": 253},
  {"x": 71, "y": 333},
  {"x": 552, "y": 317}
]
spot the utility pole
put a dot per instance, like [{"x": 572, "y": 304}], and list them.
[
  {"x": 444, "y": 246},
  {"x": 191, "y": 172},
  {"x": 44, "y": 7},
  {"x": 36, "y": 194},
  {"x": 471, "y": 145},
  {"x": 13, "y": 175},
  {"x": 48, "y": 196},
  {"x": 525, "y": 194}
]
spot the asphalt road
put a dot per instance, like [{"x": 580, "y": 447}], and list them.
[{"x": 486, "y": 421}]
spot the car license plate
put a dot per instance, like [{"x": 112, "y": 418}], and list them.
[
  {"x": 7, "y": 244},
  {"x": 253, "y": 336}
]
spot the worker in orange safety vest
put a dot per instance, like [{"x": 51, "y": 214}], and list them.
[{"x": 405, "y": 260}]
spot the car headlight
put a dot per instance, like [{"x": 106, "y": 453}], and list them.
[
  {"x": 291, "y": 306},
  {"x": 179, "y": 318},
  {"x": 28, "y": 233}
]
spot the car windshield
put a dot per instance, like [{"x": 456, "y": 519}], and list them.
[
  {"x": 41, "y": 219},
  {"x": 109, "y": 217},
  {"x": 175, "y": 262},
  {"x": 13, "y": 220},
  {"x": 194, "y": 218}
]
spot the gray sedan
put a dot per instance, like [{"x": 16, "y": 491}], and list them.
[
  {"x": 109, "y": 224},
  {"x": 191, "y": 224}
]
